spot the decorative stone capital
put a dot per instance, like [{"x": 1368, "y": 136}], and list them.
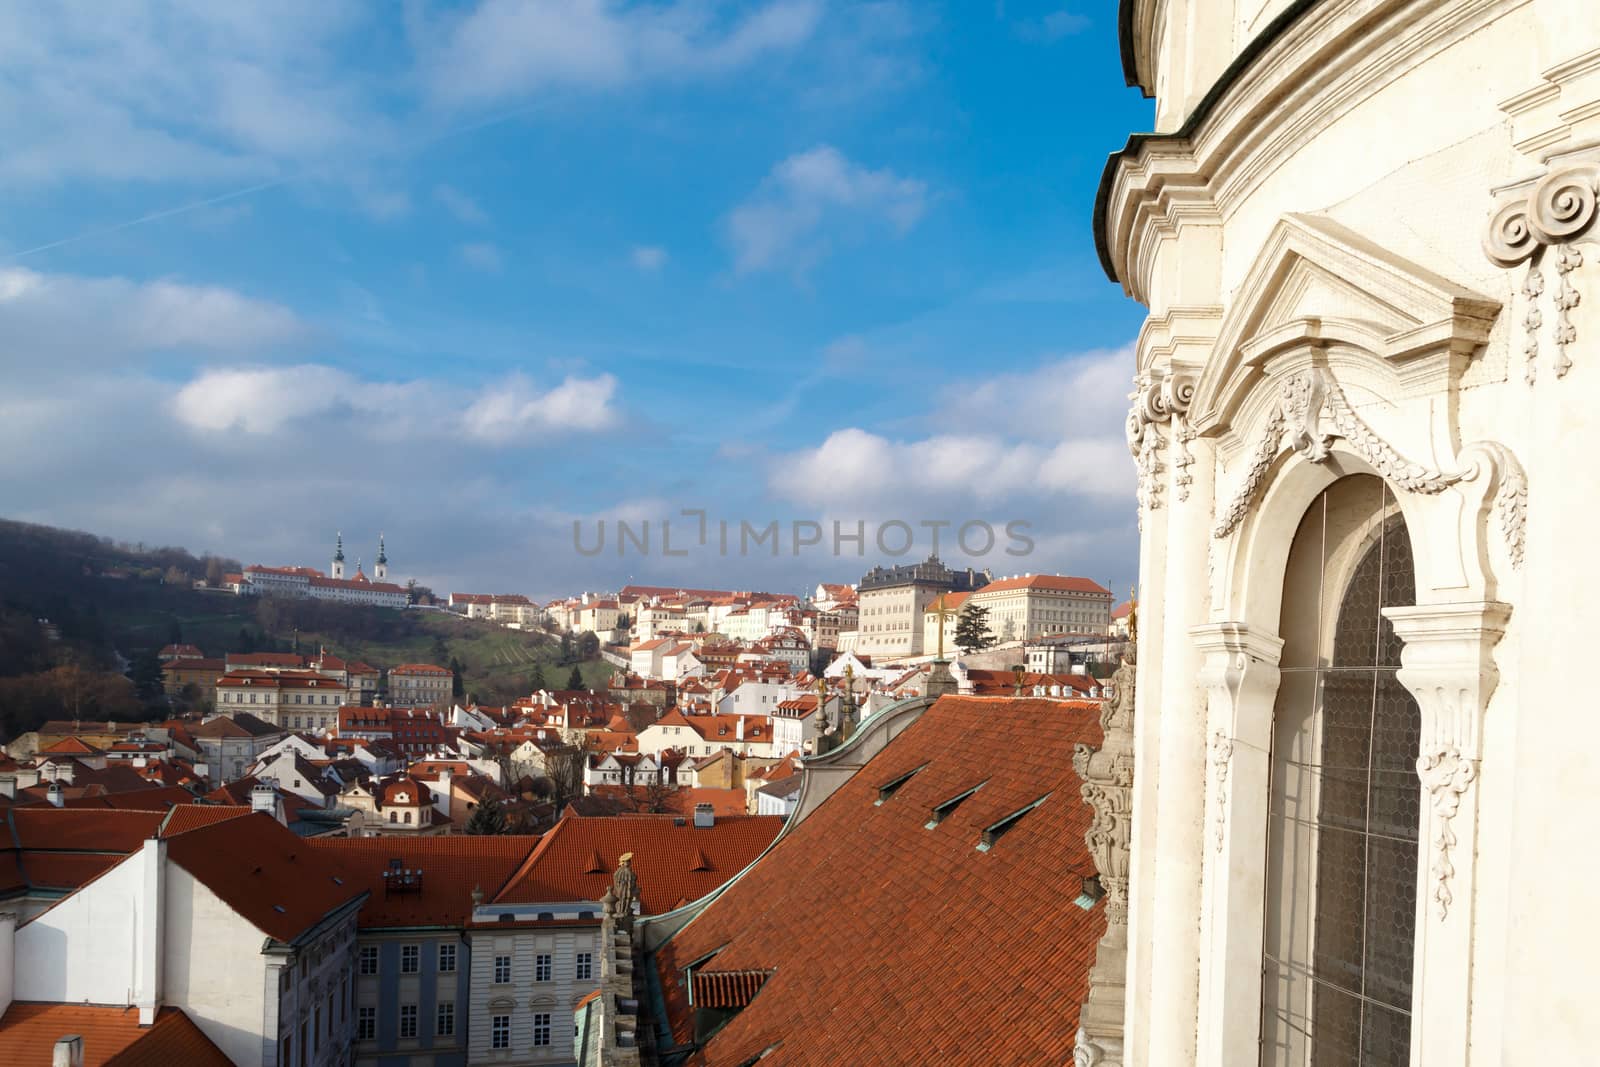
[
  {"x": 1447, "y": 663},
  {"x": 1236, "y": 659},
  {"x": 1557, "y": 212},
  {"x": 1160, "y": 398}
]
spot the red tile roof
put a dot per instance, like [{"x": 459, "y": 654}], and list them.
[
  {"x": 78, "y": 830},
  {"x": 962, "y": 955},
  {"x": 71, "y": 746},
  {"x": 264, "y": 872},
  {"x": 112, "y": 1037},
  {"x": 675, "y": 863},
  {"x": 1055, "y": 583},
  {"x": 452, "y": 867},
  {"x": 67, "y": 870}
]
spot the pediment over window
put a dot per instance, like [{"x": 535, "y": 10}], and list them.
[{"x": 1317, "y": 283}]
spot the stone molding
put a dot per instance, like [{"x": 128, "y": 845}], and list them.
[
  {"x": 1447, "y": 663},
  {"x": 1221, "y": 756},
  {"x": 1107, "y": 776},
  {"x": 1308, "y": 78},
  {"x": 1312, "y": 411}
]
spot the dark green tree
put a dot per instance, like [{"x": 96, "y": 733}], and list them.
[
  {"x": 575, "y": 679},
  {"x": 486, "y": 818},
  {"x": 536, "y": 679},
  {"x": 145, "y": 672},
  {"x": 174, "y": 632},
  {"x": 247, "y": 640},
  {"x": 458, "y": 684},
  {"x": 972, "y": 629}
]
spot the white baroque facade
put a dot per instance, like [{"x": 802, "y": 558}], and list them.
[{"x": 1363, "y": 420}]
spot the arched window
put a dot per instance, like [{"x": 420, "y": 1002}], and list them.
[{"x": 1341, "y": 879}]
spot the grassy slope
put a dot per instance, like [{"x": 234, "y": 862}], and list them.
[{"x": 42, "y": 572}]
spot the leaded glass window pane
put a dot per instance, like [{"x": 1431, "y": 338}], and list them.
[{"x": 1345, "y": 802}]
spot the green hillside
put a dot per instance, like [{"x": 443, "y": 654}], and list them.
[{"x": 73, "y": 599}]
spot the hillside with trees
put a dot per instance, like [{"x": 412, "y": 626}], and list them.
[{"x": 82, "y": 618}]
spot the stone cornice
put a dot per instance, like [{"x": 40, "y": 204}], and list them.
[{"x": 1313, "y": 62}]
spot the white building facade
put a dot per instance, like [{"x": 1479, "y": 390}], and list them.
[{"x": 1363, "y": 427}]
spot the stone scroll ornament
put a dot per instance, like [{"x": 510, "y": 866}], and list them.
[
  {"x": 1160, "y": 400},
  {"x": 1312, "y": 411},
  {"x": 1445, "y": 774},
  {"x": 1556, "y": 214}
]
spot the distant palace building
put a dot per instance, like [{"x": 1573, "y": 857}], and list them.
[
  {"x": 892, "y": 601},
  {"x": 311, "y": 583}
]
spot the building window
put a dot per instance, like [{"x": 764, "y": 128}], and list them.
[
  {"x": 541, "y": 1029},
  {"x": 369, "y": 959},
  {"x": 502, "y": 970},
  {"x": 541, "y": 967},
  {"x": 447, "y": 957},
  {"x": 1344, "y": 804},
  {"x": 585, "y": 968},
  {"x": 410, "y": 958},
  {"x": 500, "y": 1031},
  {"x": 408, "y": 1020},
  {"x": 445, "y": 1019}
]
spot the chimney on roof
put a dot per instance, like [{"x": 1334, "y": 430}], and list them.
[
  {"x": 53, "y": 792},
  {"x": 705, "y": 816},
  {"x": 739, "y": 729},
  {"x": 264, "y": 798},
  {"x": 68, "y": 1052}
]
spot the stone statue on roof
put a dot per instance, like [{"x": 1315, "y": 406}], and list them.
[{"x": 625, "y": 887}]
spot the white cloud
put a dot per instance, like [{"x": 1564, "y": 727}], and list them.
[
  {"x": 780, "y": 221},
  {"x": 462, "y": 206},
  {"x": 178, "y": 91},
  {"x": 87, "y": 319},
  {"x": 854, "y": 466},
  {"x": 481, "y": 255},
  {"x": 1052, "y": 430},
  {"x": 649, "y": 257},
  {"x": 508, "y": 48},
  {"x": 259, "y": 400},
  {"x": 514, "y": 409},
  {"x": 1082, "y": 394}
]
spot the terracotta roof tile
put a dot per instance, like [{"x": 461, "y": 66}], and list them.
[
  {"x": 451, "y": 868},
  {"x": 264, "y": 872},
  {"x": 112, "y": 1037},
  {"x": 904, "y": 906},
  {"x": 666, "y": 856},
  {"x": 1052, "y": 582}
]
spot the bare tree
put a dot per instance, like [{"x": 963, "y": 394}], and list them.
[{"x": 564, "y": 767}]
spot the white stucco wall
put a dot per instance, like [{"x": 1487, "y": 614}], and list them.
[{"x": 86, "y": 948}]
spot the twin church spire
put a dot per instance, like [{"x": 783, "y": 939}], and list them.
[{"x": 380, "y": 568}]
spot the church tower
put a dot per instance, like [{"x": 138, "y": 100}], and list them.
[
  {"x": 380, "y": 570},
  {"x": 337, "y": 570}
]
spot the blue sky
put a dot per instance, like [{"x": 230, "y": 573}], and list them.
[{"x": 468, "y": 273}]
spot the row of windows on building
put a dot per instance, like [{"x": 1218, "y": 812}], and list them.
[
  {"x": 543, "y": 965},
  {"x": 239, "y": 698},
  {"x": 444, "y": 1021},
  {"x": 500, "y": 1030},
  {"x": 319, "y": 1027},
  {"x": 411, "y": 963}
]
